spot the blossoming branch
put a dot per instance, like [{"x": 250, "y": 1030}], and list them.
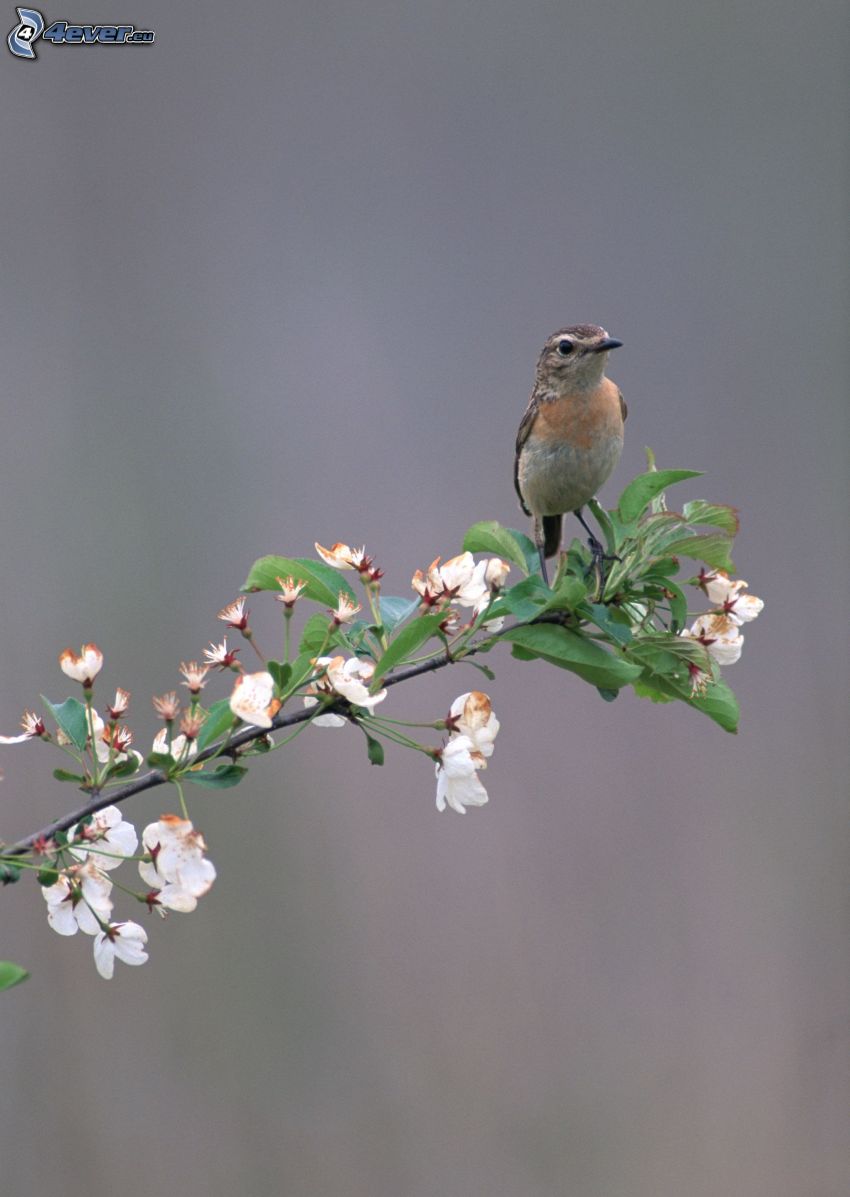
[{"x": 622, "y": 623}]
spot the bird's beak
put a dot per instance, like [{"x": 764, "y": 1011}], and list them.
[{"x": 608, "y": 343}]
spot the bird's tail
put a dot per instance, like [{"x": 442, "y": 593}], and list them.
[{"x": 551, "y": 534}]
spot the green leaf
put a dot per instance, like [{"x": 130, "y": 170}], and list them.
[
  {"x": 605, "y": 618},
  {"x": 375, "y": 750},
  {"x": 720, "y": 704},
  {"x": 569, "y": 650},
  {"x": 324, "y": 583},
  {"x": 642, "y": 490},
  {"x": 71, "y": 717},
  {"x": 527, "y": 599},
  {"x": 607, "y": 695},
  {"x": 65, "y": 775},
  {"x": 281, "y": 673},
  {"x": 713, "y": 549},
  {"x": 396, "y": 610},
  {"x": 408, "y": 640},
  {"x": 220, "y": 779},
  {"x": 644, "y": 690},
  {"x": 11, "y": 974},
  {"x": 488, "y": 536},
  {"x": 569, "y": 593},
  {"x": 606, "y": 524},
  {"x": 161, "y": 760},
  {"x": 302, "y": 668},
  {"x": 315, "y": 634},
  {"x": 713, "y": 514},
  {"x": 219, "y": 721},
  {"x": 10, "y": 872}
]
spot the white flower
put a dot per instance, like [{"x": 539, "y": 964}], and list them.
[
  {"x": 458, "y": 580},
  {"x": 290, "y": 590},
  {"x": 729, "y": 596},
  {"x": 329, "y": 720},
  {"x": 472, "y": 716},
  {"x": 348, "y": 679},
  {"x": 345, "y": 609},
  {"x": 110, "y": 833},
  {"x": 720, "y": 634},
  {"x": 33, "y": 726},
  {"x": 122, "y": 940},
  {"x": 458, "y": 785},
  {"x": 496, "y": 573},
  {"x": 253, "y": 699},
  {"x": 177, "y": 751},
  {"x": 83, "y": 668},
  {"x": 78, "y": 899},
  {"x": 342, "y": 556},
  {"x": 178, "y": 870}
]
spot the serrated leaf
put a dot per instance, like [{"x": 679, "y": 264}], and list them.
[
  {"x": 716, "y": 515},
  {"x": 71, "y": 717},
  {"x": 218, "y": 723},
  {"x": 570, "y": 650},
  {"x": 488, "y": 536},
  {"x": 324, "y": 583},
  {"x": 222, "y": 778},
  {"x": 405, "y": 643},
  {"x": 11, "y": 974},
  {"x": 713, "y": 549},
  {"x": 605, "y": 522},
  {"x": 395, "y": 611},
  {"x": 642, "y": 490}
]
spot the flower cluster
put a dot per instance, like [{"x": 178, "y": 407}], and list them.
[
  {"x": 719, "y": 630},
  {"x": 78, "y": 898},
  {"x": 473, "y": 728},
  {"x": 463, "y": 581}
]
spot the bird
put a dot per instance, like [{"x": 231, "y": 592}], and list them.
[{"x": 570, "y": 437}]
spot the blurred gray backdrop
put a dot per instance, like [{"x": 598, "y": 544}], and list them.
[{"x": 283, "y": 276}]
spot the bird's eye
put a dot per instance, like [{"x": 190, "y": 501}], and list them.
[{"x": 565, "y": 348}]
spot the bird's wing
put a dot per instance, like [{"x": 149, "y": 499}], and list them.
[
  {"x": 624, "y": 411},
  {"x": 525, "y": 426}
]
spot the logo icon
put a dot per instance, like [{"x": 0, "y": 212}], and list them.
[
  {"x": 60, "y": 33},
  {"x": 30, "y": 26}
]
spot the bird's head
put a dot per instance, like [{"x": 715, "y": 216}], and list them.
[{"x": 575, "y": 357}]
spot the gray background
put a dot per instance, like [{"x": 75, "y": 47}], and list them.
[{"x": 283, "y": 276}]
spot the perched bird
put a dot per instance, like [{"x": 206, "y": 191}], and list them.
[{"x": 571, "y": 435}]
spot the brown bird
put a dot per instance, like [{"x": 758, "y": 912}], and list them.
[{"x": 571, "y": 436}]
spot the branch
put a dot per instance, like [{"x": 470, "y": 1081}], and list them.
[{"x": 247, "y": 736}]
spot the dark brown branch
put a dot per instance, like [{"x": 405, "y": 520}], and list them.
[{"x": 247, "y": 736}]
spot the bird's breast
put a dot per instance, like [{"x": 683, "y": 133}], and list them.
[{"x": 572, "y": 448}]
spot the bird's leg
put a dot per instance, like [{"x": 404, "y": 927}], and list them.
[
  {"x": 538, "y": 541},
  {"x": 598, "y": 556}
]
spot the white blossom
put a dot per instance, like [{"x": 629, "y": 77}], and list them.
[
  {"x": 472, "y": 716},
  {"x": 109, "y": 832},
  {"x": 458, "y": 784},
  {"x": 122, "y": 941},
  {"x": 253, "y": 699},
  {"x": 79, "y": 900}
]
